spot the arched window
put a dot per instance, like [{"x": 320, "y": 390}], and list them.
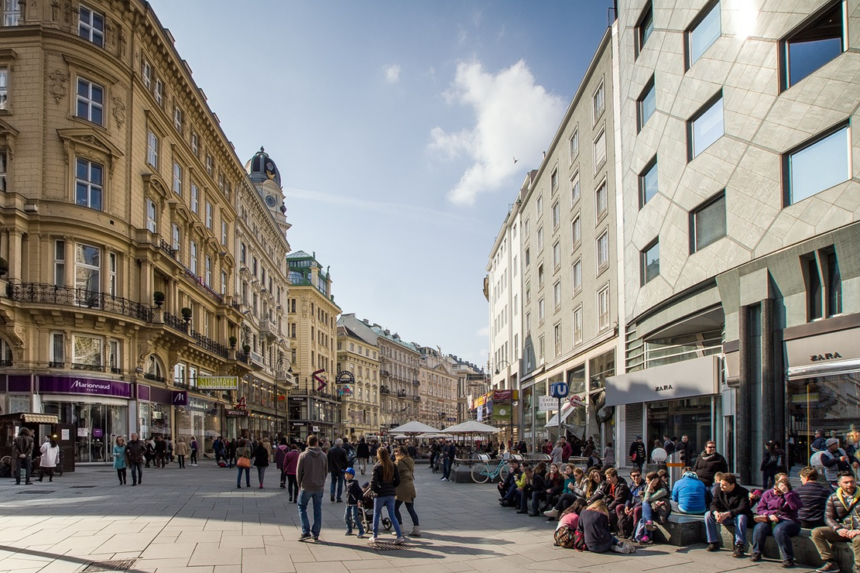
[{"x": 154, "y": 370}]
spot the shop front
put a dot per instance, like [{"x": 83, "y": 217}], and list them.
[
  {"x": 822, "y": 388},
  {"x": 676, "y": 399},
  {"x": 199, "y": 418},
  {"x": 154, "y": 405},
  {"x": 97, "y": 409}
]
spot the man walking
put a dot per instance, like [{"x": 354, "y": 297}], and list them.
[
  {"x": 22, "y": 447},
  {"x": 337, "y": 462},
  {"x": 637, "y": 453},
  {"x": 363, "y": 454},
  {"x": 310, "y": 475},
  {"x": 134, "y": 450},
  {"x": 842, "y": 519},
  {"x": 450, "y": 452}
]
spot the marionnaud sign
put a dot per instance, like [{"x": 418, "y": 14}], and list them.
[{"x": 88, "y": 386}]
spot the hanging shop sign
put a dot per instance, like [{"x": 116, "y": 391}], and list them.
[
  {"x": 344, "y": 377},
  {"x": 89, "y": 386},
  {"x": 217, "y": 383}
]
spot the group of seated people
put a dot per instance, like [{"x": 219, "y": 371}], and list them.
[
  {"x": 605, "y": 508},
  {"x": 571, "y": 494},
  {"x": 780, "y": 511}
]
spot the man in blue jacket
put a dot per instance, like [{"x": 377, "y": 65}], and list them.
[{"x": 690, "y": 493}]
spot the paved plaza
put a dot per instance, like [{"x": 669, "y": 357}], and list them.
[{"x": 195, "y": 520}]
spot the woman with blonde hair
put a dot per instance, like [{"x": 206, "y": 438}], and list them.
[
  {"x": 594, "y": 523},
  {"x": 384, "y": 481}
]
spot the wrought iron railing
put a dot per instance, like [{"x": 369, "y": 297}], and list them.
[
  {"x": 165, "y": 246},
  {"x": 5, "y": 363},
  {"x": 67, "y": 296},
  {"x": 153, "y": 377},
  {"x": 209, "y": 344},
  {"x": 90, "y": 367},
  {"x": 175, "y": 323}
]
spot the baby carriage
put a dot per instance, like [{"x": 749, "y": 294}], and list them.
[{"x": 367, "y": 511}]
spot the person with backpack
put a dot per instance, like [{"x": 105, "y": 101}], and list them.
[
  {"x": 637, "y": 453},
  {"x": 243, "y": 463},
  {"x": 337, "y": 462},
  {"x": 567, "y": 533},
  {"x": 594, "y": 523}
]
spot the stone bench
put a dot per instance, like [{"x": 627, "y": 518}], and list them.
[{"x": 683, "y": 529}]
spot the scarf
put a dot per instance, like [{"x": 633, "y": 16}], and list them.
[{"x": 852, "y": 519}]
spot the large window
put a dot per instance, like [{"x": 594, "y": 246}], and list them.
[
  {"x": 603, "y": 309},
  {"x": 598, "y": 102},
  {"x": 817, "y": 165},
  {"x": 704, "y": 32},
  {"x": 91, "y": 25},
  {"x": 86, "y": 352},
  {"x": 576, "y": 271},
  {"x": 152, "y": 149},
  {"x": 816, "y": 43},
  {"x": 89, "y": 184},
  {"x": 11, "y": 12},
  {"x": 573, "y": 146},
  {"x": 4, "y": 88},
  {"x": 645, "y": 27},
  {"x": 577, "y": 326},
  {"x": 194, "y": 257},
  {"x": 556, "y": 295},
  {"x": 87, "y": 272},
  {"x": 90, "y": 101},
  {"x": 662, "y": 351},
  {"x": 576, "y": 232},
  {"x": 177, "y": 179},
  {"x": 151, "y": 223},
  {"x": 648, "y": 183},
  {"x": 603, "y": 251},
  {"x": 574, "y": 190},
  {"x": 60, "y": 263},
  {"x": 708, "y": 223},
  {"x": 705, "y": 127},
  {"x": 646, "y": 105},
  {"x": 600, "y": 150},
  {"x": 650, "y": 262},
  {"x": 602, "y": 200}
]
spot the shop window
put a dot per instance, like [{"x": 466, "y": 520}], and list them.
[
  {"x": 706, "y": 29},
  {"x": 650, "y": 263},
  {"x": 91, "y": 25},
  {"x": 646, "y": 105},
  {"x": 648, "y": 183},
  {"x": 812, "y": 46},
  {"x": 706, "y": 127},
  {"x": 817, "y": 165},
  {"x": 708, "y": 223},
  {"x": 645, "y": 27},
  {"x": 87, "y": 352}
]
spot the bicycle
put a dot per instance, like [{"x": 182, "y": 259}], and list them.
[{"x": 482, "y": 472}]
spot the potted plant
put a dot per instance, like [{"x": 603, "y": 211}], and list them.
[
  {"x": 158, "y": 298},
  {"x": 186, "y": 314},
  {"x": 233, "y": 340}
]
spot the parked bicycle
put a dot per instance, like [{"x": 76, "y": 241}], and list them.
[{"x": 483, "y": 472}]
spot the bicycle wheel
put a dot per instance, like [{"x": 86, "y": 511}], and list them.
[
  {"x": 480, "y": 473},
  {"x": 503, "y": 473}
]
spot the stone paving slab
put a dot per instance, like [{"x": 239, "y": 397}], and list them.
[{"x": 196, "y": 520}]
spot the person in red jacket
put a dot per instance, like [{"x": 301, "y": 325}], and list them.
[{"x": 291, "y": 462}]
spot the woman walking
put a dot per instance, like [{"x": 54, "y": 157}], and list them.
[
  {"x": 119, "y": 463},
  {"x": 261, "y": 460},
  {"x": 181, "y": 452},
  {"x": 383, "y": 482},
  {"x": 406, "y": 490},
  {"x": 193, "y": 451},
  {"x": 243, "y": 463},
  {"x": 291, "y": 463},
  {"x": 50, "y": 458}
]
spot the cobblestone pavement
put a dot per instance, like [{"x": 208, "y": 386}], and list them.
[{"x": 196, "y": 520}]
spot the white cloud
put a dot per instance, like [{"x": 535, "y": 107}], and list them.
[
  {"x": 483, "y": 332},
  {"x": 513, "y": 118},
  {"x": 392, "y": 73}
]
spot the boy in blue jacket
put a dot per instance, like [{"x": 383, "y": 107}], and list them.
[{"x": 354, "y": 497}]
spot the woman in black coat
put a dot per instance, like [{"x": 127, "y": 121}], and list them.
[{"x": 261, "y": 461}]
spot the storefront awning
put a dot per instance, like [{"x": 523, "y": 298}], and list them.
[
  {"x": 688, "y": 379},
  {"x": 820, "y": 369},
  {"x": 29, "y": 418},
  {"x": 566, "y": 411}
]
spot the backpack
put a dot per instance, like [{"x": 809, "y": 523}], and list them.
[
  {"x": 579, "y": 541},
  {"x": 565, "y": 537}
]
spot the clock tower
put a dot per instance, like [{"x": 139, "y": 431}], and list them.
[{"x": 267, "y": 180}]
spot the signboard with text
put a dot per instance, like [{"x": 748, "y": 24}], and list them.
[
  {"x": 547, "y": 404},
  {"x": 217, "y": 383}
]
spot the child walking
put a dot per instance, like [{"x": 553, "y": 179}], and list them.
[{"x": 354, "y": 495}]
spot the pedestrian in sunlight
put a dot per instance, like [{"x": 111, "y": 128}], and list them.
[{"x": 119, "y": 463}]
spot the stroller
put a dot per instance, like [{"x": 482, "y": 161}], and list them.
[{"x": 367, "y": 510}]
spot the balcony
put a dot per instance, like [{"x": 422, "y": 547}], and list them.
[
  {"x": 89, "y": 367},
  {"x": 5, "y": 363},
  {"x": 78, "y": 298},
  {"x": 204, "y": 342},
  {"x": 416, "y": 398},
  {"x": 416, "y": 383},
  {"x": 384, "y": 390},
  {"x": 201, "y": 284},
  {"x": 257, "y": 360},
  {"x": 268, "y": 328},
  {"x": 153, "y": 377},
  {"x": 384, "y": 373}
]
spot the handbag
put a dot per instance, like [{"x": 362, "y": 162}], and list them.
[{"x": 244, "y": 461}]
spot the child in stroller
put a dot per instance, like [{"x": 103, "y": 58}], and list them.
[{"x": 367, "y": 509}]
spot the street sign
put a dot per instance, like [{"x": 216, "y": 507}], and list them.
[
  {"x": 577, "y": 400},
  {"x": 547, "y": 404},
  {"x": 559, "y": 390}
]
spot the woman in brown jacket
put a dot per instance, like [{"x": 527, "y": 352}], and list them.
[{"x": 406, "y": 489}]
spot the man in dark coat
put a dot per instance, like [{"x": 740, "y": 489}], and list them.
[
  {"x": 731, "y": 506},
  {"x": 616, "y": 497},
  {"x": 22, "y": 448},
  {"x": 709, "y": 463},
  {"x": 362, "y": 452},
  {"x": 685, "y": 449},
  {"x": 337, "y": 462},
  {"x": 135, "y": 450}
]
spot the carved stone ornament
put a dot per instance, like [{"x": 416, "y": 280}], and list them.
[
  {"x": 118, "y": 111},
  {"x": 55, "y": 10},
  {"x": 58, "y": 84}
]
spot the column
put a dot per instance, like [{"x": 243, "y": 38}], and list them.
[
  {"x": 742, "y": 408},
  {"x": 14, "y": 255}
]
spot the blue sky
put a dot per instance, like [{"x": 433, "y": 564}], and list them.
[{"x": 394, "y": 125}]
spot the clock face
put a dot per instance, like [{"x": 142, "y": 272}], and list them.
[
  {"x": 270, "y": 200},
  {"x": 270, "y": 166}
]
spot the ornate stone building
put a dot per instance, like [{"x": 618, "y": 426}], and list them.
[
  {"x": 314, "y": 405},
  {"x": 360, "y": 409},
  {"x": 117, "y": 187},
  {"x": 438, "y": 389}
]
